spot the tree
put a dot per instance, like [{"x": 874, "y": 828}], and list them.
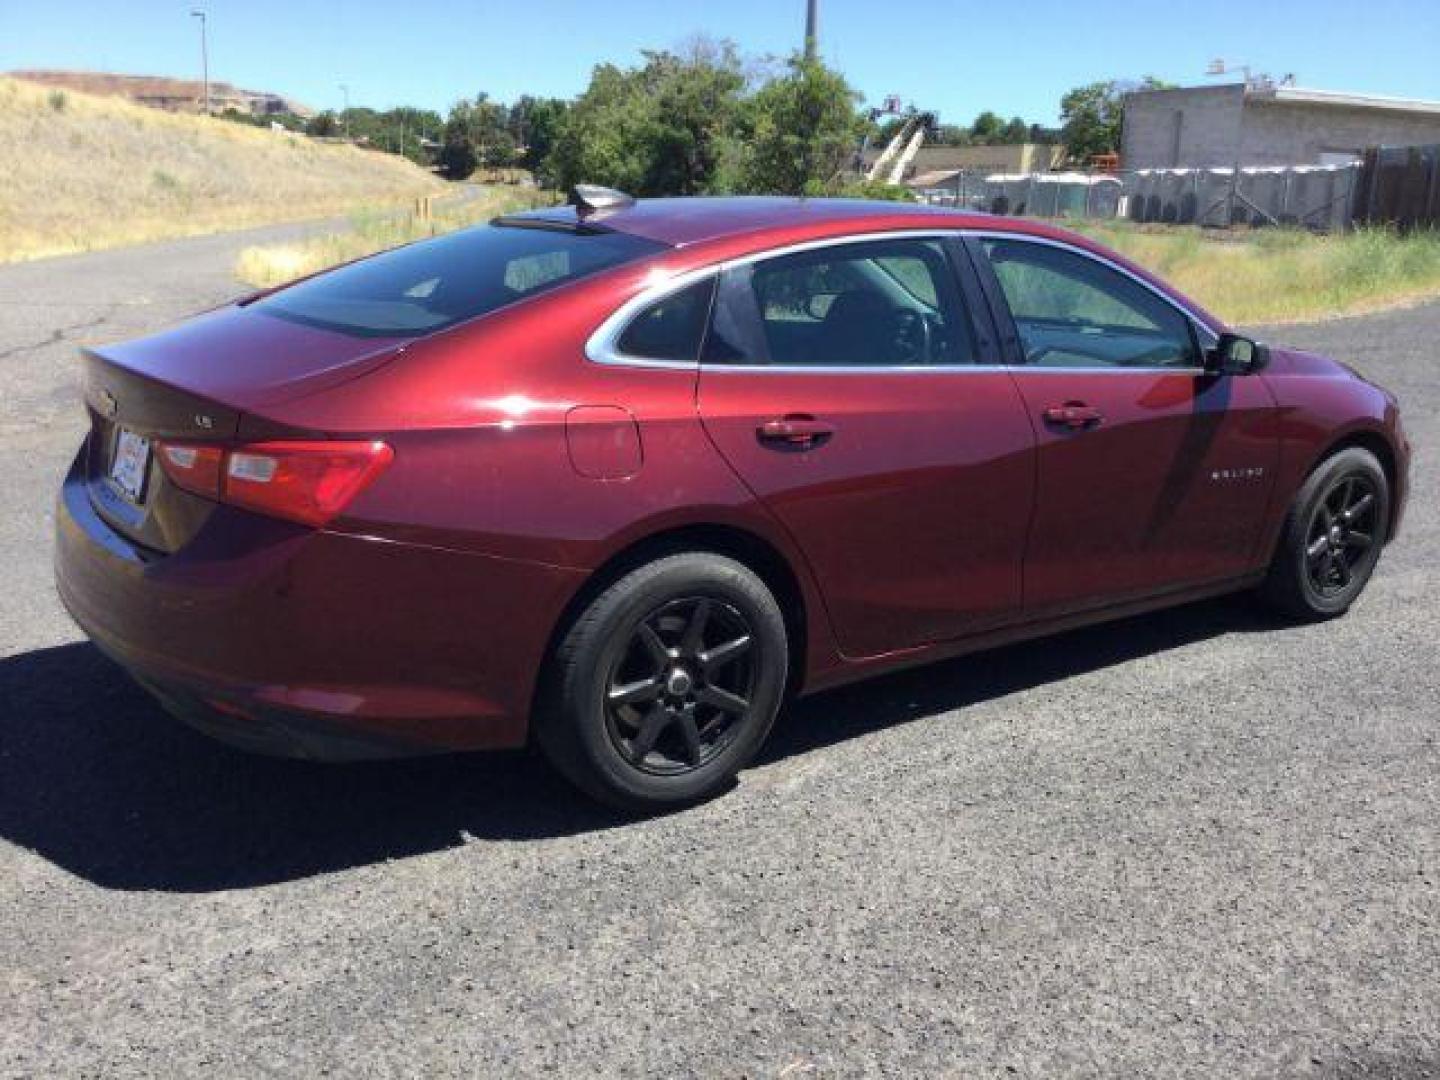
[
  {"x": 323, "y": 125},
  {"x": 476, "y": 134},
  {"x": 952, "y": 135},
  {"x": 987, "y": 129},
  {"x": 697, "y": 102},
  {"x": 701, "y": 120},
  {"x": 1090, "y": 120},
  {"x": 534, "y": 125},
  {"x": 403, "y": 128},
  {"x": 669, "y": 127},
  {"x": 803, "y": 129},
  {"x": 1039, "y": 133},
  {"x": 593, "y": 136},
  {"x": 1091, "y": 116},
  {"x": 457, "y": 158},
  {"x": 1015, "y": 132},
  {"x": 887, "y": 130}
]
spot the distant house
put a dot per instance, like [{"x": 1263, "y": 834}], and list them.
[
  {"x": 1266, "y": 124},
  {"x": 173, "y": 95},
  {"x": 945, "y": 161}
]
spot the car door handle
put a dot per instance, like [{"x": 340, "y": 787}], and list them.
[
  {"x": 1074, "y": 416},
  {"x": 796, "y": 431}
]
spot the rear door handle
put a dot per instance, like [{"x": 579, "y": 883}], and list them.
[
  {"x": 1074, "y": 416},
  {"x": 796, "y": 431}
]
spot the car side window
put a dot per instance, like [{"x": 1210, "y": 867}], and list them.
[
  {"x": 880, "y": 303},
  {"x": 670, "y": 328},
  {"x": 1074, "y": 311}
]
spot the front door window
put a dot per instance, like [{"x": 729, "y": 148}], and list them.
[{"x": 1074, "y": 311}]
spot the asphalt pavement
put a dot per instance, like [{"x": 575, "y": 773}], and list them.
[{"x": 1197, "y": 843}]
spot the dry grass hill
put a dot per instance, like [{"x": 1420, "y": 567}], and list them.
[{"x": 79, "y": 172}]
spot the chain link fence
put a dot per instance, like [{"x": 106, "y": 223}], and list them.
[{"x": 1316, "y": 197}]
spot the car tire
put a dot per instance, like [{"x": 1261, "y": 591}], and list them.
[
  {"x": 1331, "y": 538},
  {"x": 641, "y": 704}
]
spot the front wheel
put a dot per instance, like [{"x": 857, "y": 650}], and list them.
[
  {"x": 1331, "y": 538},
  {"x": 666, "y": 684}
]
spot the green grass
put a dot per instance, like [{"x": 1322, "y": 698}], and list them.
[
  {"x": 1281, "y": 275},
  {"x": 377, "y": 230}
]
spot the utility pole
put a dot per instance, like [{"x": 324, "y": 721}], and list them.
[
  {"x": 345, "y": 113},
  {"x": 812, "y": 28},
  {"x": 198, "y": 13}
]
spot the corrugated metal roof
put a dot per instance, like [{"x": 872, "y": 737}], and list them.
[
  {"x": 1299, "y": 96},
  {"x": 1294, "y": 95}
]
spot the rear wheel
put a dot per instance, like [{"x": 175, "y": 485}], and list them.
[
  {"x": 667, "y": 683},
  {"x": 1331, "y": 538}
]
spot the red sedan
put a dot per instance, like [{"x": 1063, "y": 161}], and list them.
[{"x": 620, "y": 477}]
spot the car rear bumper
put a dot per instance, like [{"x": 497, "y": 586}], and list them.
[
  {"x": 285, "y": 640},
  {"x": 247, "y": 724}
]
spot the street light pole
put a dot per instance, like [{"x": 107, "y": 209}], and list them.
[
  {"x": 197, "y": 13},
  {"x": 345, "y": 115},
  {"x": 812, "y": 28}
]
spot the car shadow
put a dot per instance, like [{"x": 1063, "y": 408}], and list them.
[
  {"x": 98, "y": 780},
  {"x": 861, "y": 708}
]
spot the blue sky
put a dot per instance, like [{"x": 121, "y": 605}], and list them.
[{"x": 951, "y": 56}]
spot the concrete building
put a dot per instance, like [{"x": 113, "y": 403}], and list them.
[{"x": 1211, "y": 126}]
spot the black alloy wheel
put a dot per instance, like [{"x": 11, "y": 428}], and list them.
[
  {"x": 1341, "y": 534},
  {"x": 680, "y": 690},
  {"x": 667, "y": 682},
  {"x": 1331, "y": 538}
]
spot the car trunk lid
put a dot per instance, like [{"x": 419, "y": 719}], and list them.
[
  {"x": 202, "y": 381},
  {"x": 249, "y": 359}
]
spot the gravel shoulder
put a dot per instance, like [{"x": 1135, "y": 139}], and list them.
[{"x": 1197, "y": 843}]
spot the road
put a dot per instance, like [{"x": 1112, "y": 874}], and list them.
[{"x": 1198, "y": 843}]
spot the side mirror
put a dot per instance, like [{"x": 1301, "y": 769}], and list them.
[{"x": 1236, "y": 355}]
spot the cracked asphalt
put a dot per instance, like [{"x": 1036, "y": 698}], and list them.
[{"x": 1198, "y": 843}]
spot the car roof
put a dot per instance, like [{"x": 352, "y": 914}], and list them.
[
  {"x": 734, "y": 224},
  {"x": 680, "y": 222}
]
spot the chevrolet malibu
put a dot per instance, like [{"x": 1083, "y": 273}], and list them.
[{"x": 619, "y": 478}]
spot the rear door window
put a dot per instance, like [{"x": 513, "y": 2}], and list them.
[
  {"x": 437, "y": 283},
  {"x": 890, "y": 303}
]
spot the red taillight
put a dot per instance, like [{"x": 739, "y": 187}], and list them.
[{"x": 308, "y": 482}]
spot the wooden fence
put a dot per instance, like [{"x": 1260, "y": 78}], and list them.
[{"x": 1399, "y": 186}]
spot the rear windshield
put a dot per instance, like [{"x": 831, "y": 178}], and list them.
[{"x": 436, "y": 283}]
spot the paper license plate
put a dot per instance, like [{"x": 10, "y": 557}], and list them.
[{"x": 131, "y": 464}]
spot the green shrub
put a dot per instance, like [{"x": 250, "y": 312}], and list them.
[{"x": 875, "y": 189}]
